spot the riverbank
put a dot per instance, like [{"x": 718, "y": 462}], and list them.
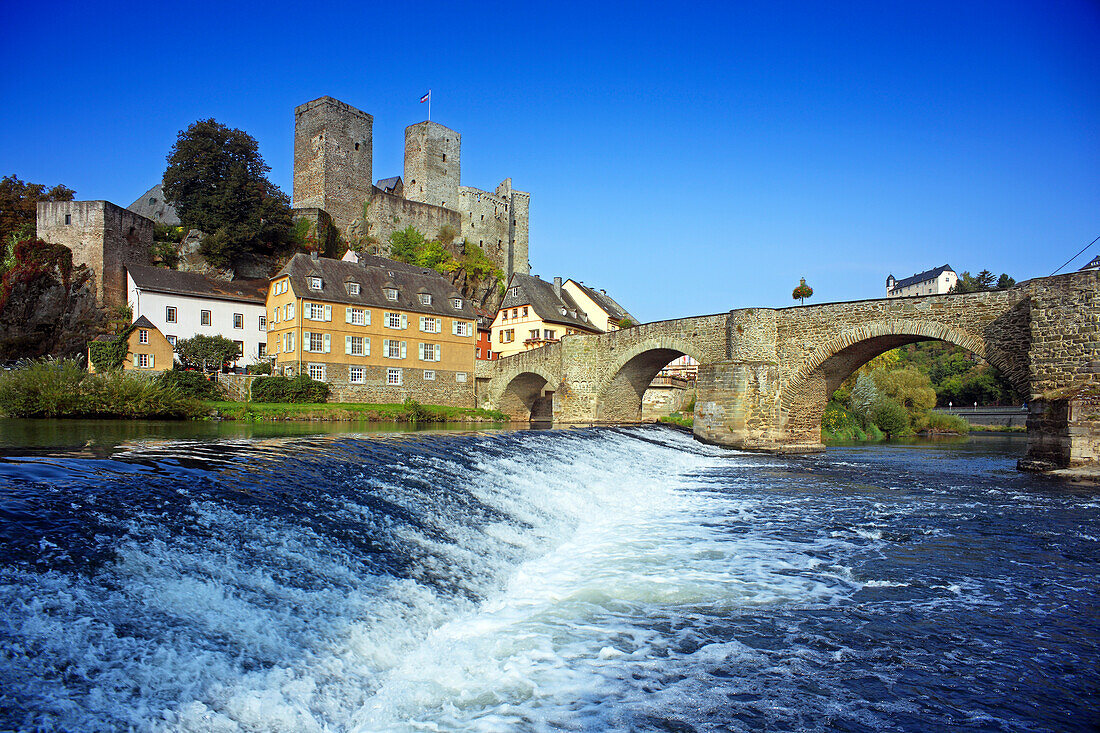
[{"x": 407, "y": 412}]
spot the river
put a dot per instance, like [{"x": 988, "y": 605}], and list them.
[{"x": 595, "y": 579}]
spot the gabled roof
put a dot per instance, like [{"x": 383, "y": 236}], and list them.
[
  {"x": 389, "y": 185},
  {"x": 162, "y": 280},
  {"x": 547, "y": 305},
  {"x": 922, "y": 277},
  {"x": 152, "y": 205},
  {"x": 143, "y": 322},
  {"x": 600, "y": 297},
  {"x": 1094, "y": 265},
  {"x": 373, "y": 273}
]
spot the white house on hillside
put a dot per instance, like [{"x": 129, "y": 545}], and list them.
[
  {"x": 185, "y": 304},
  {"x": 930, "y": 282}
]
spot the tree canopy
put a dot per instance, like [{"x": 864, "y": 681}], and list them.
[
  {"x": 19, "y": 205},
  {"x": 209, "y": 353},
  {"x": 217, "y": 181},
  {"x": 983, "y": 281}
]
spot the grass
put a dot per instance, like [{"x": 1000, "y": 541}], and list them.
[
  {"x": 998, "y": 429},
  {"x": 350, "y": 412},
  {"x": 676, "y": 418}
]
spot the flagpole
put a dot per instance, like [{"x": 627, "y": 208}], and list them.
[{"x": 429, "y": 105}]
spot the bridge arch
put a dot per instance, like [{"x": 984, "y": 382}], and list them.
[
  {"x": 630, "y": 372},
  {"x": 523, "y": 394},
  {"x": 807, "y": 391}
]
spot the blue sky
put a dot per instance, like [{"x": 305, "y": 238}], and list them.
[{"x": 689, "y": 160}]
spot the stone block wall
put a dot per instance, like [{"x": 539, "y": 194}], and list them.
[
  {"x": 432, "y": 164},
  {"x": 443, "y": 390},
  {"x": 101, "y": 235},
  {"x": 333, "y": 158},
  {"x": 387, "y": 214}
]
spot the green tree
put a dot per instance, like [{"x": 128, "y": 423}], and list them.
[
  {"x": 218, "y": 182},
  {"x": 1005, "y": 282},
  {"x": 209, "y": 353},
  {"x": 405, "y": 244},
  {"x": 890, "y": 417},
  {"x": 968, "y": 283},
  {"x": 802, "y": 292},
  {"x": 909, "y": 387},
  {"x": 19, "y": 205}
]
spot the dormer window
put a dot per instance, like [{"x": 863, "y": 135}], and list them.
[
  {"x": 425, "y": 298},
  {"x": 456, "y": 303},
  {"x": 315, "y": 283},
  {"x": 515, "y": 292},
  {"x": 390, "y": 293},
  {"x": 353, "y": 288},
  {"x": 563, "y": 311}
]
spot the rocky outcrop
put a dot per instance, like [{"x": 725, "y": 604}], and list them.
[{"x": 152, "y": 205}]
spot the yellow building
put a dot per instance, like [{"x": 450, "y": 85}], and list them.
[
  {"x": 149, "y": 350},
  {"x": 373, "y": 329},
  {"x": 535, "y": 313}
]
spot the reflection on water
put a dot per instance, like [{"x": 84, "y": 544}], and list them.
[{"x": 103, "y": 437}]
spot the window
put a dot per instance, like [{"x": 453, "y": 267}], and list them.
[
  {"x": 315, "y": 283},
  {"x": 390, "y": 293},
  {"x": 393, "y": 376},
  {"x": 431, "y": 325},
  {"x": 524, "y": 312},
  {"x": 534, "y": 333},
  {"x": 143, "y": 336},
  {"x": 170, "y": 313},
  {"x": 288, "y": 371},
  {"x": 68, "y": 219},
  {"x": 393, "y": 349},
  {"x": 460, "y": 377},
  {"x": 317, "y": 372},
  {"x": 461, "y": 328},
  {"x": 456, "y": 303},
  {"x": 430, "y": 352},
  {"x": 261, "y": 349},
  {"x": 288, "y": 342},
  {"x": 515, "y": 292},
  {"x": 204, "y": 318},
  {"x": 171, "y": 340},
  {"x": 289, "y": 312},
  {"x": 504, "y": 314},
  {"x": 238, "y": 320},
  {"x": 353, "y": 288},
  {"x": 479, "y": 352},
  {"x": 144, "y": 361},
  {"x": 240, "y": 348},
  {"x": 425, "y": 298},
  {"x": 508, "y": 335},
  {"x": 357, "y": 316},
  {"x": 357, "y": 375},
  {"x": 314, "y": 342},
  {"x": 396, "y": 320},
  {"x": 276, "y": 315},
  {"x": 356, "y": 346},
  {"x": 319, "y": 312},
  {"x": 549, "y": 333},
  {"x": 263, "y": 323},
  {"x": 429, "y": 375},
  {"x": 515, "y": 313}
]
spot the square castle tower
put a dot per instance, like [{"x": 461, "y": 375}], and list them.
[{"x": 333, "y": 173}]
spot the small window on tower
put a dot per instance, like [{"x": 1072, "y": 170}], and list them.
[
  {"x": 68, "y": 218},
  {"x": 444, "y": 157},
  {"x": 356, "y": 146}
]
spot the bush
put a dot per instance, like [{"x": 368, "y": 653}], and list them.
[
  {"x": 192, "y": 384},
  {"x": 260, "y": 367},
  {"x": 937, "y": 422},
  {"x": 296, "y": 389},
  {"x": 61, "y": 388},
  {"x": 416, "y": 412},
  {"x": 890, "y": 417}
]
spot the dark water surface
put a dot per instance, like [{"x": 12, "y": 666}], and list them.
[{"x": 590, "y": 580}]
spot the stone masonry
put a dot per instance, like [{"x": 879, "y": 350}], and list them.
[
  {"x": 102, "y": 236},
  {"x": 333, "y": 157},
  {"x": 765, "y": 374}
]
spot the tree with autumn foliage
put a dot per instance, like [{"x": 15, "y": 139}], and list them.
[
  {"x": 19, "y": 205},
  {"x": 803, "y": 291}
]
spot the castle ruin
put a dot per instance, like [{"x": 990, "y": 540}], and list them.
[{"x": 333, "y": 151}]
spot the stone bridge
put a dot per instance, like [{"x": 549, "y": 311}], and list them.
[{"x": 765, "y": 375}]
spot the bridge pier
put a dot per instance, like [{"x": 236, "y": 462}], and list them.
[{"x": 1063, "y": 434}]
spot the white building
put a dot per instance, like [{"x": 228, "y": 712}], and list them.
[
  {"x": 930, "y": 282},
  {"x": 186, "y": 304}
]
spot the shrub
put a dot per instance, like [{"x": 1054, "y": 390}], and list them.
[
  {"x": 260, "y": 367},
  {"x": 937, "y": 422},
  {"x": 416, "y": 412},
  {"x": 45, "y": 388},
  {"x": 296, "y": 389},
  {"x": 118, "y": 394},
  {"x": 890, "y": 417},
  {"x": 192, "y": 384}
]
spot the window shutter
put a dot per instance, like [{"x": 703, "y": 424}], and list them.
[
  {"x": 421, "y": 351},
  {"x": 347, "y": 345},
  {"x": 404, "y": 321},
  {"x": 305, "y": 340},
  {"x": 454, "y": 327},
  {"x": 439, "y": 352},
  {"x": 328, "y": 343},
  {"x": 347, "y": 317},
  {"x": 366, "y": 316},
  {"x": 403, "y": 344},
  {"x": 423, "y": 325},
  {"x": 150, "y": 361},
  {"x": 366, "y": 346},
  {"x": 307, "y": 312},
  {"x": 328, "y": 312}
]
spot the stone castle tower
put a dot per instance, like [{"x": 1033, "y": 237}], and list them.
[
  {"x": 333, "y": 154},
  {"x": 333, "y": 173}
]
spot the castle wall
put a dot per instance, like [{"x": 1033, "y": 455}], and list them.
[
  {"x": 485, "y": 222},
  {"x": 333, "y": 158},
  {"x": 101, "y": 235},
  {"x": 432, "y": 164},
  {"x": 387, "y": 214}
]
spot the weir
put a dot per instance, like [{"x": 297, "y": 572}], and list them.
[{"x": 765, "y": 374}]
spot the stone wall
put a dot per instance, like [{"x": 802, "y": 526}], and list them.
[
  {"x": 102, "y": 236},
  {"x": 333, "y": 158},
  {"x": 663, "y": 401},
  {"x": 387, "y": 214},
  {"x": 432, "y": 164},
  {"x": 443, "y": 390}
]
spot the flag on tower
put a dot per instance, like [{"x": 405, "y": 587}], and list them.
[{"x": 426, "y": 97}]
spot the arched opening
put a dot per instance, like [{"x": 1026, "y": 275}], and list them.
[
  {"x": 806, "y": 396},
  {"x": 621, "y": 398},
  {"x": 528, "y": 396}
]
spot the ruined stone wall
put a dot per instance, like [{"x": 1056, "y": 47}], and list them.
[
  {"x": 333, "y": 158},
  {"x": 387, "y": 214},
  {"x": 102, "y": 236},
  {"x": 485, "y": 222},
  {"x": 432, "y": 164}
]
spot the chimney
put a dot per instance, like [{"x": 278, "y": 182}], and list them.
[
  {"x": 557, "y": 287},
  {"x": 313, "y": 255}
]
